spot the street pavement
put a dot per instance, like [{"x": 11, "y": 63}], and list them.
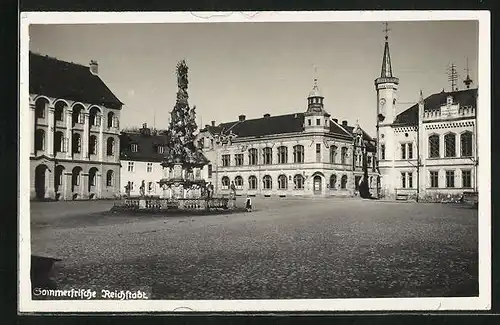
[{"x": 299, "y": 248}]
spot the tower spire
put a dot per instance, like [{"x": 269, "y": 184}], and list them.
[{"x": 386, "y": 71}]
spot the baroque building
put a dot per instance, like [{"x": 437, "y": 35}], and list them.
[
  {"x": 429, "y": 150},
  {"x": 74, "y": 131},
  {"x": 141, "y": 154},
  {"x": 304, "y": 153}
]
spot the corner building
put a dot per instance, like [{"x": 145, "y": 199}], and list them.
[
  {"x": 299, "y": 154},
  {"x": 429, "y": 150},
  {"x": 74, "y": 136}
]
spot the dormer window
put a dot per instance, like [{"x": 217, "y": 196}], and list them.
[
  {"x": 134, "y": 147},
  {"x": 160, "y": 149},
  {"x": 449, "y": 100}
]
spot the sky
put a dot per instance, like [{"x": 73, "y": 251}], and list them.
[{"x": 257, "y": 68}]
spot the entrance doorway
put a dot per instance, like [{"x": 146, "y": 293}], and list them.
[
  {"x": 317, "y": 184},
  {"x": 40, "y": 175}
]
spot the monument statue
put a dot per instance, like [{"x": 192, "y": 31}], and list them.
[{"x": 182, "y": 155}]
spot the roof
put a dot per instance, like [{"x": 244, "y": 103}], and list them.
[
  {"x": 147, "y": 146},
  {"x": 467, "y": 97},
  {"x": 279, "y": 124},
  {"x": 55, "y": 78}
]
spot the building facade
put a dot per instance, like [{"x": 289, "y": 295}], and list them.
[
  {"x": 141, "y": 154},
  {"x": 74, "y": 132},
  {"x": 299, "y": 154},
  {"x": 429, "y": 150}
]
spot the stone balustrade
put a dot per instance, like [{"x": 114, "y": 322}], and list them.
[{"x": 158, "y": 204}]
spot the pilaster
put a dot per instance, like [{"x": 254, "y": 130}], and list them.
[
  {"x": 50, "y": 133},
  {"x": 100, "y": 145},
  {"x": 69, "y": 135},
  {"x": 85, "y": 139}
]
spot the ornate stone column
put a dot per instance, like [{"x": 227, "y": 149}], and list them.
[
  {"x": 32, "y": 128},
  {"x": 85, "y": 140},
  {"x": 50, "y": 133},
  {"x": 69, "y": 133}
]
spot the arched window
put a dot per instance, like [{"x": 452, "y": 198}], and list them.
[
  {"x": 225, "y": 183},
  {"x": 40, "y": 107},
  {"x": 77, "y": 115},
  {"x": 466, "y": 144},
  {"x": 267, "y": 182},
  {"x": 59, "y": 142},
  {"x": 238, "y": 182},
  {"x": 282, "y": 182},
  {"x": 109, "y": 178},
  {"x": 110, "y": 146},
  {"x": 39, "y": 140},
  {"x": 95, "y": 116},
  {"x": 111, "y": 120},
  {"x": 343, "y": 154},
  {"x": 333, "y": 154},
  {"x": 333, "y": 181},
  {"x": 282, "y": 155},
  {"x": 92, "y": 145},
  {"x": 252, "y": 156},
  {"x": 252, "y": 182},
  {"x": 267, "y": 154},
  {"x": 298, "y": 182},
  {"x": 298, "y": 154},
  {"x": 59, "y": 177},
  {"x": 77, "y": 143},
  {"x": 343, "y": 182},
  {"x": 449, "y": 145},
  {"x": 59, "y": 111},
  {"x": 75, "y": 177},
  {"x": 434, "y": 146},
  {"x": 92, "y": 176}
]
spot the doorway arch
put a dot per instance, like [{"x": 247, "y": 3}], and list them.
[{"x": 41, "y": 172}]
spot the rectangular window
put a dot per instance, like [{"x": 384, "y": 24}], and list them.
[
  {"x": 410, "y": 150},
  {"x": 403, "y": 150},
  {"x": 403, "y": 180},
  {"x": 134, "y": 147},
  {"x": 382, "y": 151},
  {"x": 238, "y": 159},
  {"x": 318, "y": 121},
  {"x": 466, "y": 179},
  {"x": 226, "y": 160},
  {"x": 434, "y": 175},
  {"x": 450, "y": 178},
  {"x": 150, "y": 186},
  {"x": 410, "y": 180},
  {"x": 318, "y": 152},
  {"x": 149, "y": 167},
  {"x": 309, "y": 122},
  {"x": 161, "y": 149},
  {"x": 130, "y": 167},
  {"x": 209, "y": 171}
]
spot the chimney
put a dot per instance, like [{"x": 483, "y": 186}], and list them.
[
  {"x": 94, "y": 67},
  {"x": 241, "y": 118},
  {"x": 336, "y": 120},
  {"x": 145, "y": 130},
  {"x": 344, "y": 123},
  {"x": 267, "y": 115},
  {"x": 213, "y": 123}
]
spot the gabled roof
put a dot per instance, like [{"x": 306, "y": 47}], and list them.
[
  {"x": 464, "y": 98},
  {"x": 55, "y": 78},
  {"x": 147, "y": 147}
]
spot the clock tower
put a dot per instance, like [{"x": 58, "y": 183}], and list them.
[{"x": 386, "y": 86}]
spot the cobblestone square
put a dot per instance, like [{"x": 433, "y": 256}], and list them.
[{"x": 287, "y": 248}]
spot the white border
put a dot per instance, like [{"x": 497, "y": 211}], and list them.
[{"x": 483, "y": 302}]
